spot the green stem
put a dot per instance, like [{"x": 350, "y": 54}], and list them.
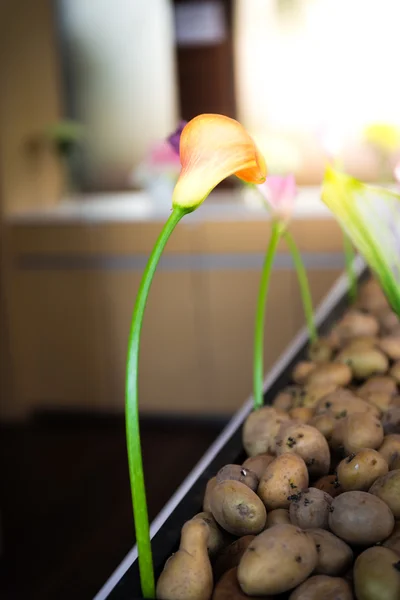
[
  {"x": 258, "y": 367},
  {"x": 349, "y": 256},
  {"x": 304, "y": 286},
  {"x": 132, "y": 413}
]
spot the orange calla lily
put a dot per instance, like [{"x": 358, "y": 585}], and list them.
[{"x": 212, "y": 147}]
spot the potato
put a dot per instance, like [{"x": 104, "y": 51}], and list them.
[
  {"x": 230, "y": 556},
  {"x": 324, "y": 423},
  {"x": 284, "y": 399},
  {"x": 277, "y": 560},
  {"x": 360, "y": 518},
  {"x": 377, "y": 383},
  {"x": 387, "y": 319},
  {"x": 371, "y": 297},
  {"x": 237, "y": 509},
  {"x": 302, "y": 370},
  {"x": 343, "y": 402},
  {"x": 260, "y": 429},
  {"x": 360, "y": 342},
  {"x": 217, "y": 539},
  {"x": 364, "y": 362},
  {"x": 387, "y": 488},
  {"x": 361, "y": 430},
  {"x": 331, "y": 372},
  {"x": 320, "y": 350},
  {"x": 393, "y": 541},
  {"x": 391, "y": 420},
  {"x": 380, "y": 400},
  {"x": 258, "y": 463},
  {"x": 285, "y": 476},
  {"x": 307, "y": 442},
  {"x": 303, "y": 414},
  {"x": 376, "y": 575},
  {"x": 358, "y": 471},
  {"x": 336, "y": 437},
  {"x": 390, "y": 345},
  {"x": 238, "y": 473},
  {"x": 395, "y": 371},
  {"x": 329, "y": 484},
  {"x": 279, "y": 516},
  {"x": 211, "y": 483},
  {"x": 390, "y": 448},
  {"x": 187, "y": 574},
  {"x": 356, "y": 323},
  {"x": 228, "y": 588},
  {"x": 322, "y": 586},
  {"x": 309, "y": 509},
  {"x": 335, "y": 557}
]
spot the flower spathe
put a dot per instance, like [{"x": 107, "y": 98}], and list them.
[
  {"x": 280, "y": 193},
  {"x": 371, "y": 217},
  {"x": 213, "y": 147}
]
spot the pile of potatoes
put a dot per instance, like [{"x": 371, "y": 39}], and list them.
[{"x": 313, "y": 513}]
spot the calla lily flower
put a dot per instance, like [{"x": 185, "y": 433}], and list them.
[
  {"x": 371, "y": 217},
  {"x": 213, "y": 147},
  {"x": 280, "y": 194}
]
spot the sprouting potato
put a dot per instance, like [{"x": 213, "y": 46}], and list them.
[
  {"x": 391, "y": 420},
  {"x": 334, "y": 556},
  {"x": 364, "y": 363},
  {"x": 187, "y": 574},
  {"x": 360, "y": 518},
  {"x": 258, "y": 464},
  {"x": 309, "y": 509},
  {"x": 320, "y": 350},
  {"x": 395, "y": 371},
  {"x": 302, "y": 370},
  {"x": 356, "y": 323},
  {"x": 217, "y": 539},
  {"x": 378, "y": 383},
  {"x": 307, "y": 442},
  {"x": 390, "y": 448},
  {"x": 322, "y": 586},
  {"x": 277, "y": 560},
  {"x": 228, "y": 588},
  {"x": 285, "y": 476},
  {"x": 390, "y": 345},
  {"x": 361, "y": 430},
  {"x": 284, "y": 400},
  {"x": 237, "y": 509},
  {"x": 332, "y": 372},
  {"x": 377, "y": 575},
  {"x": 303, "y": 414},
  {"x": 387, "y": 488},
  {"x": 279, "y": 516},
  {"x": 238, "y": 473},
  {"x": 260, "y": 429},
  {"x": 211, "y": 483},
  {"x": 230, "y": 556},
  {"x": 330, "y": 485},
  {"x": 359, "y": 471}
]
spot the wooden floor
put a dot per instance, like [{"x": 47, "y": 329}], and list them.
[{"x": 66, "y": 519}]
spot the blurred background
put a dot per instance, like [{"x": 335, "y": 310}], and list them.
[{"x": 89, "y": 91}]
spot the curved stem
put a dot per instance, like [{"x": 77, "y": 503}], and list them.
[
  {"x": 132, "y": 413},
  {"x": 258, "y": 366},
  {"x": 304, "y": 286},
  {"x": 349, "y": 256}
]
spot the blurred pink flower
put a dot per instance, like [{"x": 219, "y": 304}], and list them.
[
  {"x": 279, "y": 192},
  {"x": 162, "y": 154}
]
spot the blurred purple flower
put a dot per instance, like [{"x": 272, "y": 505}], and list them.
[{"x": 175, "y": 138}]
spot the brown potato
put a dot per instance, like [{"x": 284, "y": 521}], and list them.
[
  {"x": 390, "y": 448},
  {"x": 360, "y": 518},
  {"x": 303, "y": 414},
  {"x": 364, "y": 362},
  {"x": 307, "y": 442},
  {"x": 302, "y": 370},
  {"x": 329, "y": 484},
  {"x": 335, "y": 557},
  {"x": 380, "y": 400},
  {"x": 320, "y": 350},
  {"x": 387, "y": 488},
  {"x": 358, "y": 471},
  {"x": 277, "y": 560},
  {"x": 393, "y": 541},
  {"x": 325, "y": 424},
  {"x": 309, "y": 509},
  {"x": 391, "y": 420},
  {"x": 285, "y": 476},
  {"x": 388, "y": 320},
  {"x": 336, "y": 437},
  {"x": 395, "y": 371},
  {"x": 230, "y": 556},
  {"x": 284, "y": 399},
  {"x": 279, "y": 516},
  {"x": 371, "y": 297},
  {"x": 336, "y": 373},
  {"x": 361, "y": 342},
  {"x": 258, "y": 463},
  {"x": 187, "y": 574},
  {"x": 343, "y": 402},
  {"x": 228, "y": 588},
  {"x": 361, "y": 430},
  {"x": 322, "y": 586},
  {"x": 377, "y": 383},
  {"x": 217, "y": 539},
  {"x": 356, "y": 323},
  {"x": 376, "y": 576},
  {"x": 238, "y": 473},
  {"x": 211, "y": 483},
  {"x": 260, "y": 429},
  {"x": 237, "y": 509},
  {"x": 390, "y": 345}
]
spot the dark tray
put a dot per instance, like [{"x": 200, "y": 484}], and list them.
[{"x": 124, "y": 583}]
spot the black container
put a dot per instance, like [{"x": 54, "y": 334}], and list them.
[{"x": 124, "y": 584}]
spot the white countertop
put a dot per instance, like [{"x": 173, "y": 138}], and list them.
[{"x": 126, "y": 207}]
